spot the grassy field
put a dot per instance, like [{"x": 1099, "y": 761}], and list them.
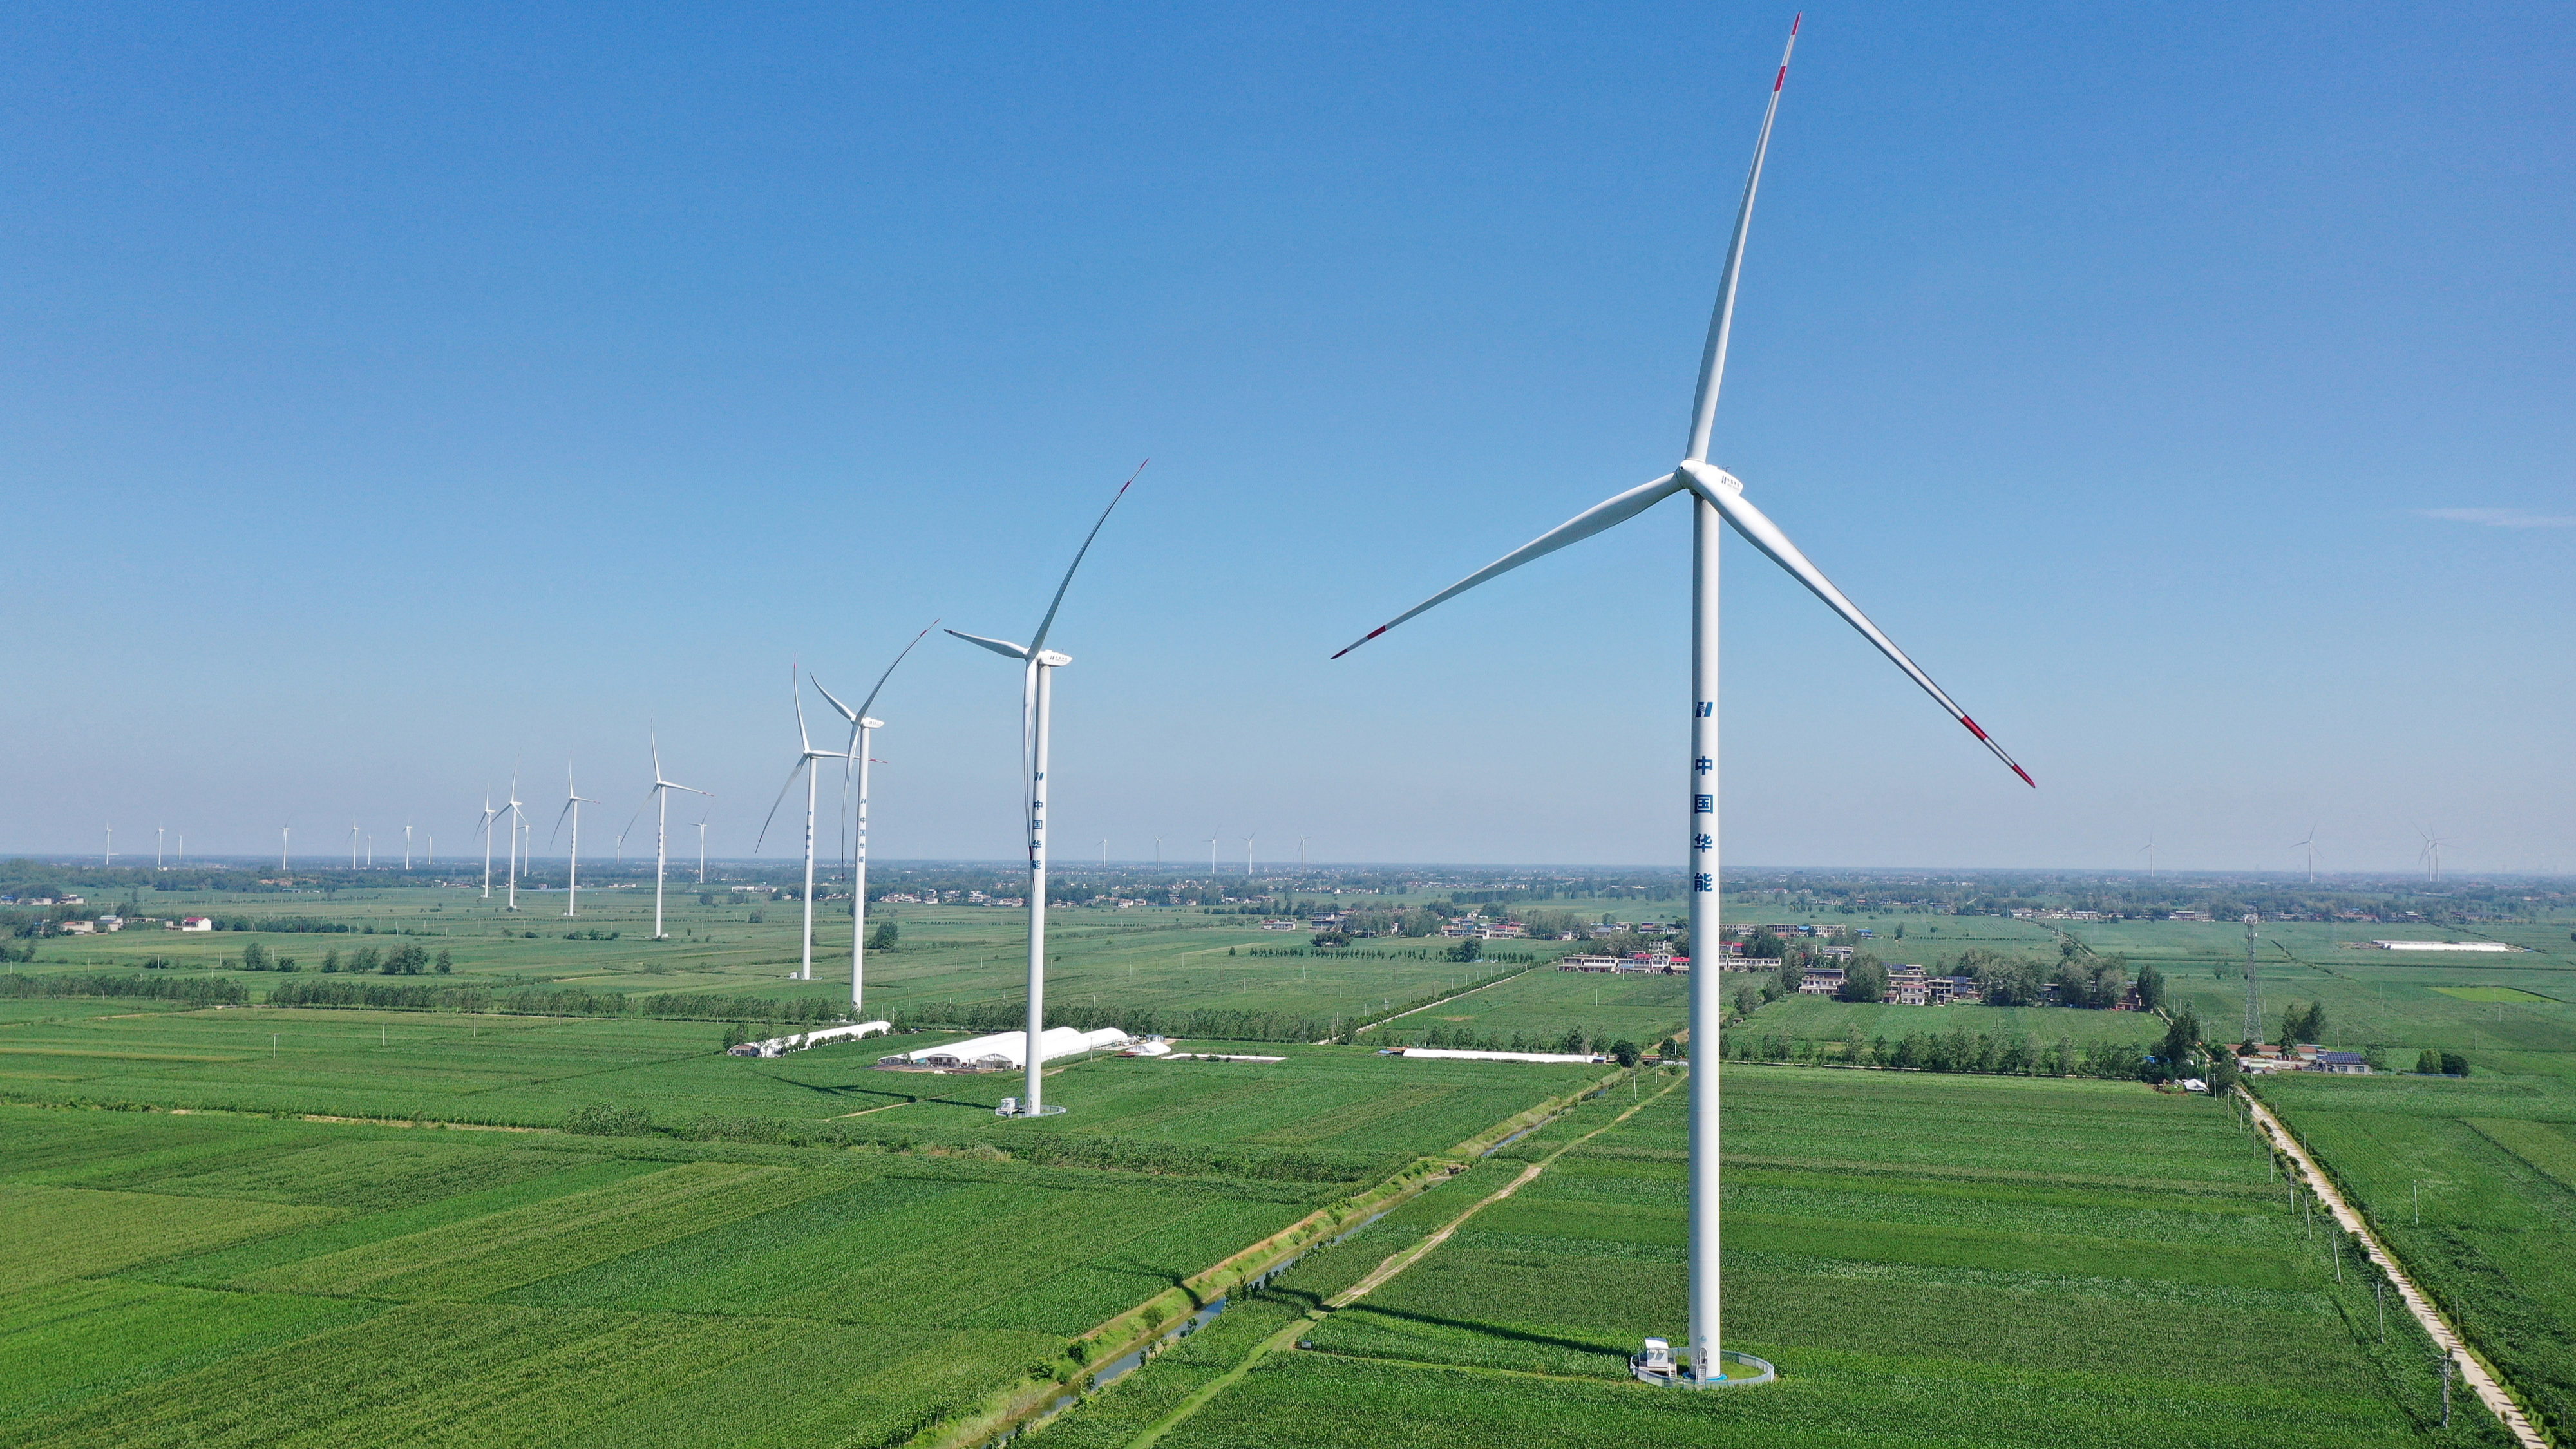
[
  {"x": 2473, "y": 1184},
  {"x": 1171, "y": 959},
  {"x": 534, "y": 1071},
  {"x": 215, "y": 1279},
  {"x": 1548, "y": 1003},
  {"x": 2059, "y": 1263}
]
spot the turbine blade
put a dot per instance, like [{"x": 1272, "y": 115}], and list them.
[
  {"x": 1721, "y": 321},
  {"x": 802, "y": 761},
  {"x": 638, "y": 815},
  {"x": 1762, "y": 533},
  {"x": 998, "y": 646},
  {"x": 559, "y": 820},
  {"x": 1039, "y": 641},
  {"x": 870, "y": 702},
  {"x": 797, "y": 697},
  {"x": 846, "y": 712},
  {"x": 1607, "y": 514}
]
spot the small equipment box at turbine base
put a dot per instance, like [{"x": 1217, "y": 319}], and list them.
[
  {"x": 1656, "y": 1366},
  {"x": 1011, "y": 1107}
]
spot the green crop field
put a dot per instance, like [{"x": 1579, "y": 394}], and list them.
[
  {"x": 219, "y": 1279},
  {"x": 1548, "y": 1003},
  {"x": 2473, "y": 1184},
  {"x": 1928, "y": 1259}
]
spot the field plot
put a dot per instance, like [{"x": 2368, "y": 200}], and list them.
[
  {"x": 532, "y": 1071},
  {"x": 1546, "y": 1004},
  {"x": 1820, "y": 1019},
  {"x": 218, "y": 1279},
  {"x": 1929, "y": 1260},
  {"x": 2473, "y": 1185},
  {"x": 1164, "y": 958}
]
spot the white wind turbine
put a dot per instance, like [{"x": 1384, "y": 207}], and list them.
[
  {"x": 573, "y": 801},
  {"x": 1717, "y": 496},
  {"x": 659, "y": 797},
  {"x": 484, "y": 829},
  {"x": 862, "y": 727},
  {"x": 406, "y": 845},
  {"x": 805, "y": 759},
  {"x": 517, "y": 819},
  {"x": 156, "y": 847},
  {"x": 108, "y": 855},
  {"x": 353, "y": 842},
  {"x": 702, "y": 847},
  {"x": 1036, "y": 691},
  {"x": 284, "y": 833},
  {"x": 2149, "y": 850},
  {"x": 2310, "y": 846}
]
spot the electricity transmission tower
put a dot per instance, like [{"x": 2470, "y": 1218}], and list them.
[{"x": 2253, "y": 987}]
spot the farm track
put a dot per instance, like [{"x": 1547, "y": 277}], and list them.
[
  {"x": 2473, "y": 1369},
  {"x": 1378, "y": 1277}
]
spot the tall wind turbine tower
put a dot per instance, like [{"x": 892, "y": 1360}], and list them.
[
  {"x": 484, "y": 829},
  {"x": 1036, "y": 695},
  {"x": 517, "y": 818},
  {"x": 406, "y": 845},
  {"x": 2253, "y": 988},
  {"x": 702, "y": 849},
  {"x": 659, "y": 797},
  {"x": 2310, "y": 846},
  {"x": 353, "y": 842},
  {"x": 1717, "y": 496},
  {"x": 573, "y": 801},
  {"x": 156, "y": 848},
  {"x": 107, "y": 856},
  {"x": 863, "y": 728},
  {"x": 284, "y": 833},
  {"x": 805, "y": 759}
]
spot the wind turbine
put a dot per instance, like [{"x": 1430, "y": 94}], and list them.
[
  {"x": 353, "y": 842},
  {"x": 659, "y": 797},
  {"x": 1301, "y": 855},
  {"x": 573, "y": 801},
  {"x": 284, "y": 832},
  {"x": 863, "y": 727},
  {"x": 183, "y": 849},
  {"x": 1036, "y": 692},
  {"x": 406, "y": 845},
  {"x": 1158, "y": 855},
  {"x": 108, "y": 855},
  {"x": 156, "y": 848},
  {"x": 1716, "y": 496},
  {"x": 2310, "y": 846},
  {"x": 702, "y": 847},
  {"x": 2149, "y": 849},
  {"x": 516, "y": 820},
  {"x": 1247, "y": 855},
  {"x": 484, "y": 829},
  {"x": 805, "y": 759}
]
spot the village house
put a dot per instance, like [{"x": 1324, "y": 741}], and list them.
[{"x": 1823, "y": 981}]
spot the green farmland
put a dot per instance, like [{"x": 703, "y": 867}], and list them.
[
  {"x": 2060, "y": 1264},
  {"x": 2473, "y": 1185},
  {"x": 1167, "y": 959}
]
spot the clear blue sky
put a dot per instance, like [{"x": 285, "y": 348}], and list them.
[{"x": 392, "y": 394}]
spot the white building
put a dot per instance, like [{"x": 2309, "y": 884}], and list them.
[
  {"x": 781, "y": 1045},
  {"x": 1008, "y": 1050},
  {"x": 2443, "y": 946},
  {"x": 196, "y": 923}
]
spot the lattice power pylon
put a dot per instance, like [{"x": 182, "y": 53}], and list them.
[{"x": 2253, "y": 985}]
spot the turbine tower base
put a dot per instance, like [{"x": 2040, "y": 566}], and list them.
[{"x": 1748, "y": 1372}]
